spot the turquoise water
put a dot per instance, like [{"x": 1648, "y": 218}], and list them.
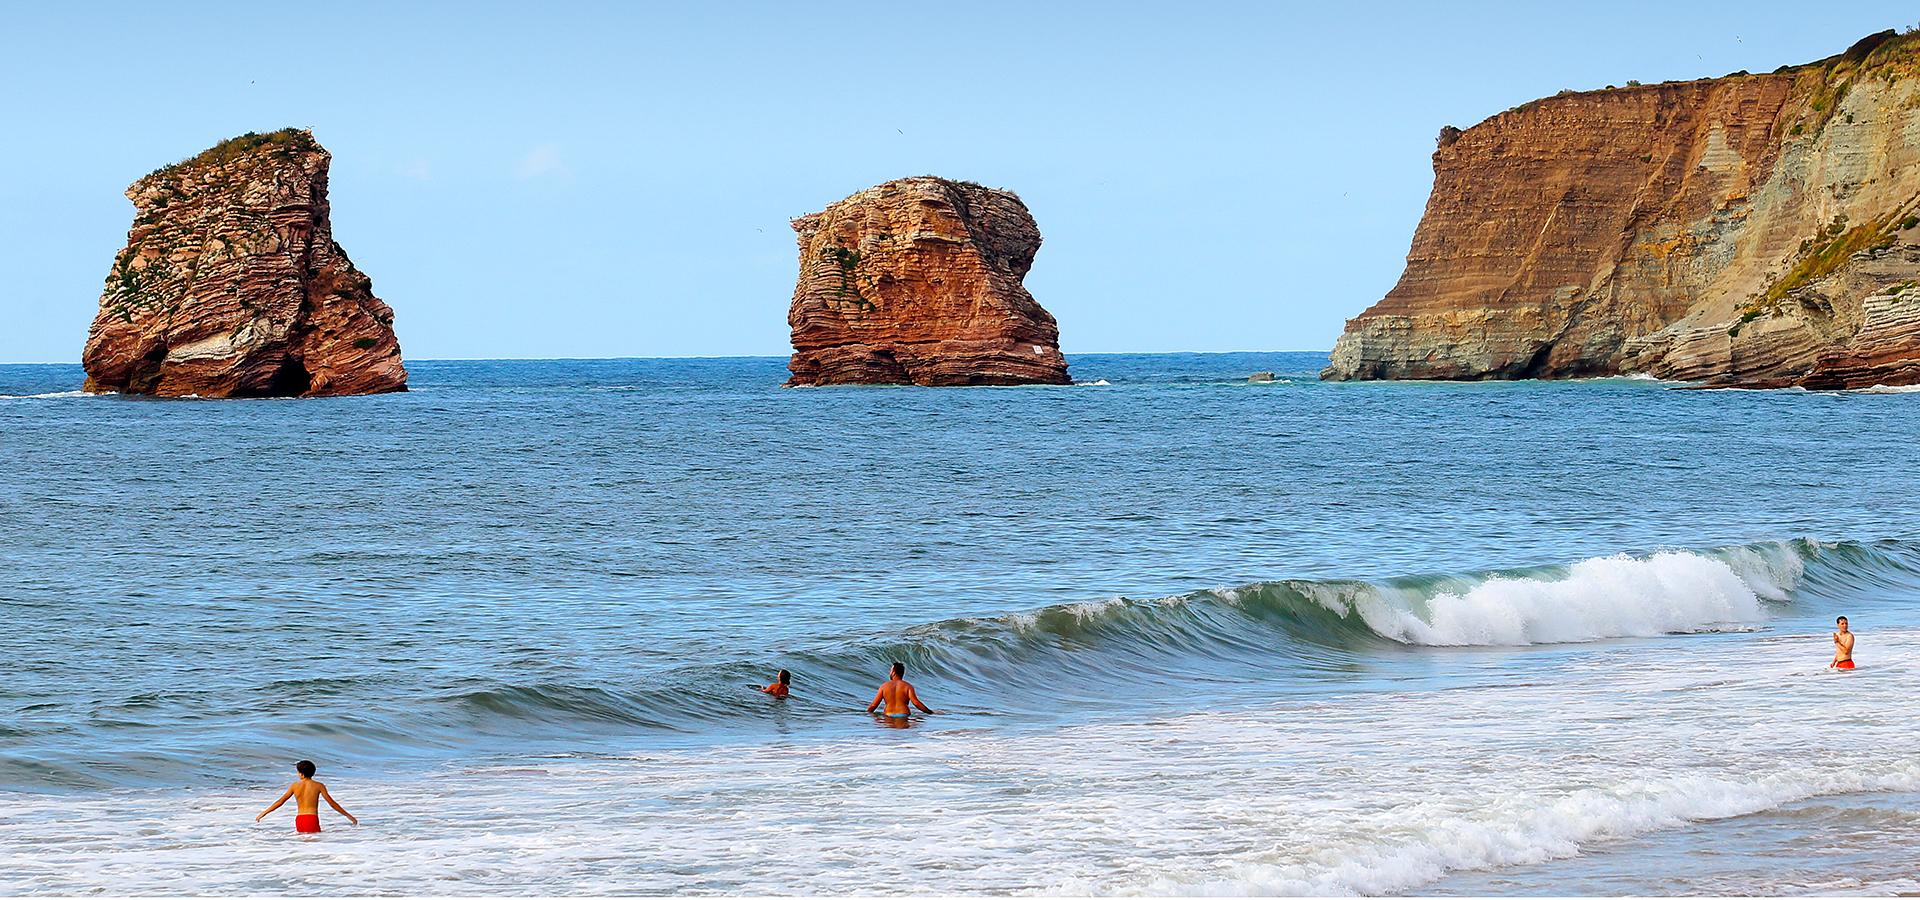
[{"x": 1187, "y": 633}]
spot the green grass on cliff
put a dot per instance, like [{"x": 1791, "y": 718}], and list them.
[
  {"x": 284, "y": 143},
  {"x": 1821, "y": 255},
  {"x": 1888, "y": 55}
]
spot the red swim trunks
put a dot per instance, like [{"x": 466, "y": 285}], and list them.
[
  {"x": 1844, "y": 664},
  {"x": 306, "y": 824}
]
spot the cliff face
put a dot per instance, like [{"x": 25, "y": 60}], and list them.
[
  {"x": 918, "y": 281},
  {"x": 1752, "y": 229},
  {"x": 231, "y": 285}
]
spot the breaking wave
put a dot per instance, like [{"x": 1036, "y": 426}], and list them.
[
  {"x": 1618, "y": 596},
  {"x": 1305, "y": 626},
  {"x": 1606, "y": 597},
  {"x": 1298, "y": 636}
]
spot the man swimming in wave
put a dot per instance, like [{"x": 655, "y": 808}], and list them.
[
  {"x": 781, "y": 686},
  {"x": 1842, "y": 645},
  {"x": 897, "y": 694},
  {"x": 308, "y": 794}
]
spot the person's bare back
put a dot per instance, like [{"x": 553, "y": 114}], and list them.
[
  {"x": 782, "y": 685},
  {"x": 306, "y": 794},
  {"x": 898, "y": 695}
]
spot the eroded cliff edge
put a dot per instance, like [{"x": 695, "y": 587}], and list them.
[
  {"x": 1746, "y": 230},
  {"x": 919, "y": 281},
  {"x": 231, "y": 284}
]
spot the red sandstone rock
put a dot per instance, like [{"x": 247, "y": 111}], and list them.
[
  {"x": 1728, "y": 230},
  {"x": 918, "y": 281},
  {"x": 231, "y": 285},
  {"x": 1886, "y": 350}
]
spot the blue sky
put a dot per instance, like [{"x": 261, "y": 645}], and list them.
[{"x": 594, "y": 180}]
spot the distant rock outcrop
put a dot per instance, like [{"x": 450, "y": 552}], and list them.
[
  {"x": 231, "y": 285},
  {"x": 1746, "y": 230},
  {"x": 918, "y": 281}
]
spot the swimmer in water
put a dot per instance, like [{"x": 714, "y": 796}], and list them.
[
  {"x": 307, "y": 793},
  {"x": 897, "y": 694},
  {"x": 779, "y": 687},
  {"x": 1842, "y": 645}
]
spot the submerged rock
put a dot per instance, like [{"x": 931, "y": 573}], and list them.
[
  {"x": 231, "y": 284},
  {"x": 1260, "y": 378},
  {"x": 918, "y": 281},
  {"x": 1745, "y": 230}
]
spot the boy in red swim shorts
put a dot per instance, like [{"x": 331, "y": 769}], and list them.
[
  {"x": 1842, "y": 645},
  {"x": 307, "y": 793}
]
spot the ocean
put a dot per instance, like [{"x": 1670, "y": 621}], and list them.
[{"x": 1186, "y": 634}]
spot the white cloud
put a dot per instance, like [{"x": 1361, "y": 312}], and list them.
[{"x": 541, "y": 162}]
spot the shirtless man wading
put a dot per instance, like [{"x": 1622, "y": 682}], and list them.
[
  {"x": 897, "y": 694},
  {"x": 307, "y": 793},
  {"x": 1842, "y": 645}
]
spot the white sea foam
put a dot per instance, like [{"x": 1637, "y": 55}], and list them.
[
  {"x": 1098, "y": 383},
  {"x": 1890, "y": 389},
  {"x": 56, "y": 395},
  {"x": 1365, "y": 793},
  {"x": 1630, "y": 376},
  {"x": 1617, "y": 596},
  {"x": 1519, "y": 830}
]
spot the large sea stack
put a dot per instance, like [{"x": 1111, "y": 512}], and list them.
[
  {"x": 231, "y": 285},
  {"x": 1746, "y": 230},
  {"x": 918, "y": 281}
]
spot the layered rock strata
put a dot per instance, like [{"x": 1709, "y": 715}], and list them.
[
  {"x": 919, "y": 281},
  {"x": 231, "y": 284},
  {"x": 1745, "y": 230}
]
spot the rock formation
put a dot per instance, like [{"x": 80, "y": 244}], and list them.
[
  {"x": 1750, "y": 229},
  {"x": 231, "y": 285},
  {"x": 918, "y": 281}
]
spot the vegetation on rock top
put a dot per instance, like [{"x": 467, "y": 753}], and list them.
[
  {"x": 283, "y": 143},
  {"x": 1888, "y": 54}
]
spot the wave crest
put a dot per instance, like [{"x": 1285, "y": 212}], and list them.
[{"x": 1615, "y": 596}]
